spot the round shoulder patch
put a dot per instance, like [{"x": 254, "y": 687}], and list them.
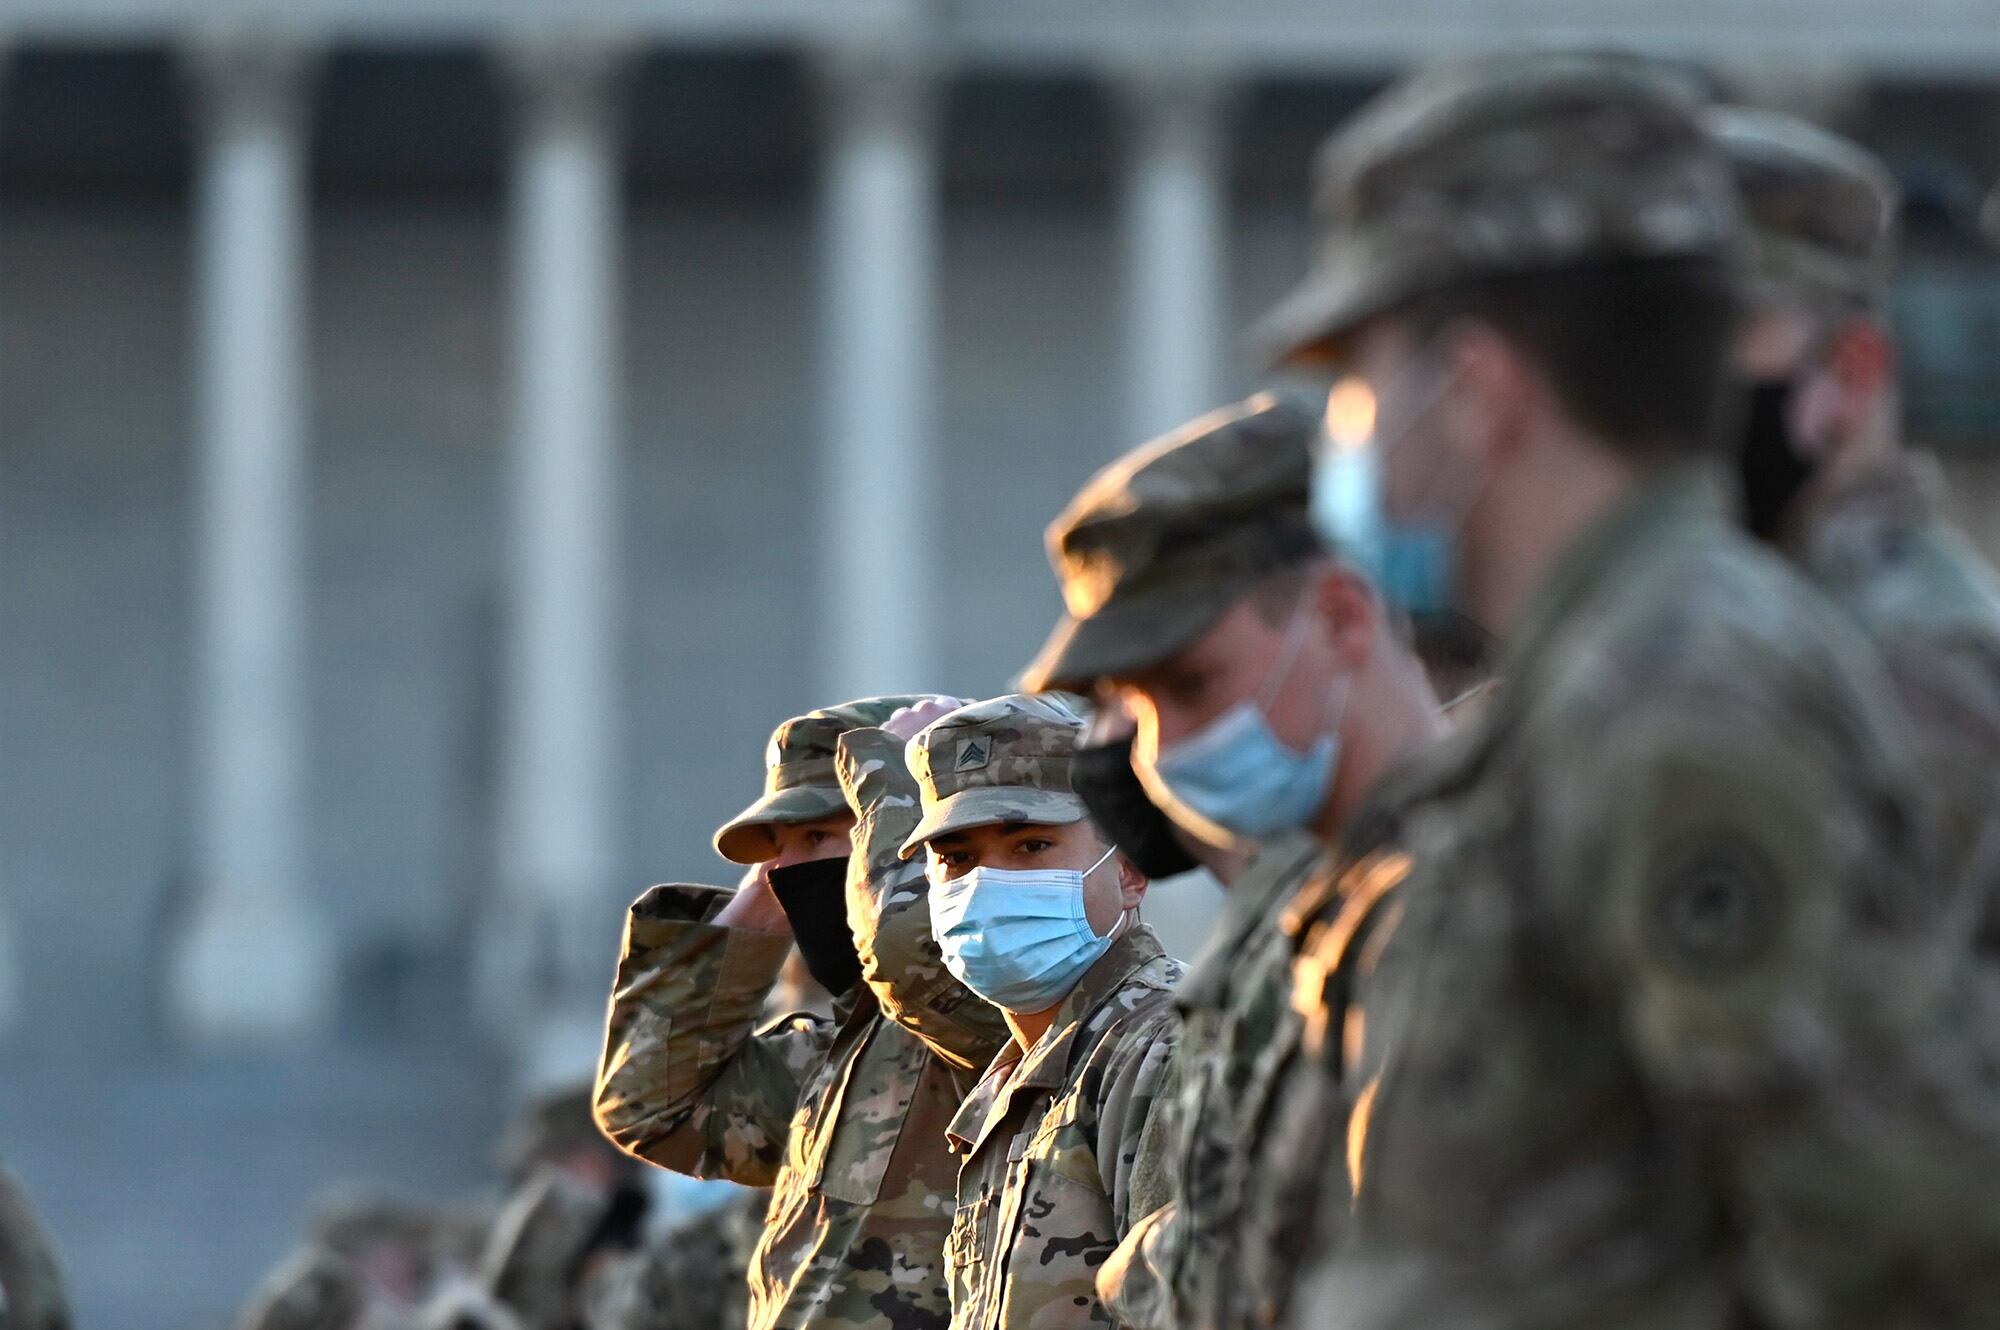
[{"x": 1716, "y": 909}]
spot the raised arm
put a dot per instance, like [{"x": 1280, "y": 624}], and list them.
[
  {"x": 687, "y": 1081},
  {"x": 888, "y": 907}
]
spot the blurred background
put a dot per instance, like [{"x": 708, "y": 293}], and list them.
[{"x": 439, "y": 439}]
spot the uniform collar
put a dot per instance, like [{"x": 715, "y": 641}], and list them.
[
  {"x": 1271, "y": 877},
  {"x": 1044, "y": 1066}
]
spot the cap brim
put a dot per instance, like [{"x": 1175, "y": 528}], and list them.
[
  {"x": 989, "y": 805},
  {"x": 1124, "y": 637},
  {"x": 746, "y": 838}
]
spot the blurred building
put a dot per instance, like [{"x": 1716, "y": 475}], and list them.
[{"x": 440, "y": 438}]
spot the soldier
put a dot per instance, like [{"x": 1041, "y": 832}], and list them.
[
  {"x": 367, "y": 1260},
  {"x": 1825, "y": 479},
  {"x": 690, "y": 1277},
  {"x": 1038, "y": 913},
  {"x": 844, "y": 1119},
  {"x": 1199, "y": 592},
  {"x": 1643, "y": 1036}
]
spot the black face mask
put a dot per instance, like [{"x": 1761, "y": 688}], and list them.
[
  {"x": 1772, "y": 469},
  {"x": 1102, "y": 777},
  {"x": 813, "y": 896}
]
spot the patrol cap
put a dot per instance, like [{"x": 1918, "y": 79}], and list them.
[
  {"x": 553, "y": 1125},
  {"x": 800, "y": 784},
  {"x": 1820, "y": 211},
  {"x": 1158, "y": 544},
  {"x": 1002, "y": 760},
  {"x": 1497, "y": 165}
]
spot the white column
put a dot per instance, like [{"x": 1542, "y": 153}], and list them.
[
  {"x": 257, "y": 960},
  {"x": 558, "y": 825},
  {"x": 879, "y": 258},
  {"x": 1174, "y": 237}
]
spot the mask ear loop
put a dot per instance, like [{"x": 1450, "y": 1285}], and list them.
[
  {"x": 1126, "y": 918},
  {"x": 1281, "y": 669},
  {"x": 1437, "y": 495}
]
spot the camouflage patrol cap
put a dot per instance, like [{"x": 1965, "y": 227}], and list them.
[
  {"x": 1499, "y": 165},
  {"x": 1002, "y": 760},
  {"x": 1158, "y": 544},
  {"x": 556, "y": 1124},
  {"x": 1820, "y": 211},
  {"x": 800, "y": 784}
]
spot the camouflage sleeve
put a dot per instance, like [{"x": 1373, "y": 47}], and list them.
[
  {"x": 1878, "y": 546},
  {"x": 1137, "y": 1084},
  {"x": 888, "y": 907},
  {"x": 687, "y": 1081},
  {"x": 1753, "y": 898},
  {"x": 1134, "y": 1284}
]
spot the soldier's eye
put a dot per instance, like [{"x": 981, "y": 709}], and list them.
[{"x": 1036, "y": 845}]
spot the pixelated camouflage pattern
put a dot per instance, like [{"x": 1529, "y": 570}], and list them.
[
  {"x": 1820, "y": 211},
  {"x": 1002, "y": 760},
  {"x": 314, "y": 1289},
  {"x": 1158, "y": 544},
  {"x": 1646, "y": 1024},
  {"x": 1050, "y": 1137},
  {"x": 843, "y": 1119},
  {"x": 1874, "y": 539},
  {"x": 30, "y": 1277},
  {"x": 1503, "y": 164},
  {"x": 693, "y": 1276},
  {"x": 889, "y": 910},
  {"x": 799, "y": 780},
  {"x": 1238, "y": 1029}
]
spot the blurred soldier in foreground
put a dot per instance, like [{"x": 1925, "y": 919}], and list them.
[
  {"x": 1826, "y": 480},
  {"x": 844, "y": 1119},
  {"x": 1647, "y": 1034},
  {"x": 690, "y": 1277},
  {"x": 1272, "y": 695},
  {"x": 31, "y": 1285},
  {"x": 368, "y": 1262},
  {"x": 1038, "y": 913}
]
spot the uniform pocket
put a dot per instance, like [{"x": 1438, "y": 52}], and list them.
[{"x": 861, "y": 1128}]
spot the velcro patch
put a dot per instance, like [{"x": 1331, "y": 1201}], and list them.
[{"x": 973, "y": 753}]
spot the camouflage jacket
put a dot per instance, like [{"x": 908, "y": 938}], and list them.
[
  {"x": 1049, "y": 1138},
  {"x": 1180, "y": 1264},
  {"x": 1642, "y": 1024},
  {"x": 843, "y": 1119},
  {"x": 1930, "y": 603}
]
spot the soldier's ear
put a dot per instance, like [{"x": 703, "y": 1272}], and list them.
[
  {"x": 1132, "y": 883},
  {"x": 1350, "y": 613},
  {"x": 1493, "y": 394}
]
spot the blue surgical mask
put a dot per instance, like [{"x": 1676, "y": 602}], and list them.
[
  {"x": 1234, "y": 780},
  {"x": 1019, "y": 938},
  {"x": 1413, "y": 562}
]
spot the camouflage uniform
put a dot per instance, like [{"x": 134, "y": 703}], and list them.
[
  {"x": 843, "y": 1119},
  {"x": 691, "y": 1277},
  {"x": 1151, "y": 553},
  {"x": 1050, "y": 1134},
  {"x": 1871, "y": 536},
  {"x": 31, "y": 1285},
  {"x": 1640, "y": 1022}
]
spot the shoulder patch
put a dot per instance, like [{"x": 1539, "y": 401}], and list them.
[
  {"x": 1717, "y": 909},
  {"x": 973, "y": 753}
]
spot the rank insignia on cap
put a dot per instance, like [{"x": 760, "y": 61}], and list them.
[{"x": 973, "y": 754}]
